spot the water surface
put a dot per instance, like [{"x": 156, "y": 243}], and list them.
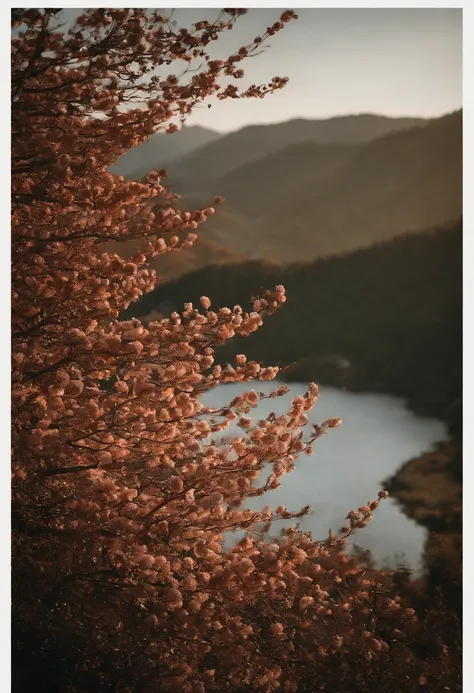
[{"x": 378, "y": 434}]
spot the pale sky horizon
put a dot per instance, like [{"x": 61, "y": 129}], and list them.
[{"x": 394, "y": 62}]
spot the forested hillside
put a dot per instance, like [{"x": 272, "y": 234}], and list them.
[{"x": 387, "y": 318}]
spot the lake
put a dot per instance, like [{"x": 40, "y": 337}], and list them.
[{"x": 377, "y": 436}]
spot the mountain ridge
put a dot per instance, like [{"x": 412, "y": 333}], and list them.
[
  {"x": 254, "y": 141},
  {"x": 309, "y": 200},
  {"x": 161, "y": 148},
  {"x": 406, "y": 179}
]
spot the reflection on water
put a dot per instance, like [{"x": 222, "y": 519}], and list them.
[{"x": 378, "y": 434}]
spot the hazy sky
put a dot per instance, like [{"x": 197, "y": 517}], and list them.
[{"x": 397, "y": 62}]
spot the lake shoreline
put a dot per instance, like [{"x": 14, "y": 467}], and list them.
[
  {"x": 448, "y": 412},
  {"x": 428, "y": 487},
  {"x": 379, "y": 433},
  {"x": 443, "y": 462}
]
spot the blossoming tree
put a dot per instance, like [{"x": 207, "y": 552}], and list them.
[{"x": 121, "y": 490}]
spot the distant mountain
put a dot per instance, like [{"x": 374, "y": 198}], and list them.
[
  {"x": 387, "y": 318},
  {"x": 406, "y": 180},
  {"x": 161, "y": 148},
  {"x": 308, "y": 200},
  {"x": 255, "y": 188},
  {"x": 198, "y": 170}
]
